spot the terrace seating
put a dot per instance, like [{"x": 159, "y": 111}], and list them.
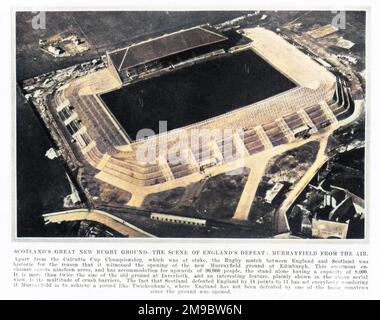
[
  {"x": 125, "y": 166},
  {"x": 252, "y": 141},
  {"x": 227, "y": 148},
  {"x": 293, "y": 121},
  {"x": 274, "y": 133},
  {"x": 124, "y": 173},
  {"x": 93, "y": 156}
]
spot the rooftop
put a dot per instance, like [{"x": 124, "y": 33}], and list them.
[{"x": 165, "y": 45}]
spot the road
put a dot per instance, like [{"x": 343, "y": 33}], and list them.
[
  {"x": 282, "y": 222},
  {"x": 99, "y": 216}
]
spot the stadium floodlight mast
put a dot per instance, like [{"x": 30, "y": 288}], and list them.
[{"x": 174, "y": 147}]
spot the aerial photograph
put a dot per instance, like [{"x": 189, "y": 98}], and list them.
[{"x": 190, "y": 124}]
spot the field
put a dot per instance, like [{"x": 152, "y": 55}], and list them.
[
  {"x": 103, "y": 30},
  {"x": 196, "y": 93},
  {"x": 214, "y": 197}
]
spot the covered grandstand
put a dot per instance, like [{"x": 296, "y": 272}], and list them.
[{"x": 132, "y": 59}]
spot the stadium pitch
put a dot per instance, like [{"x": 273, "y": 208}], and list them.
[{"x": 192, "y": 94}]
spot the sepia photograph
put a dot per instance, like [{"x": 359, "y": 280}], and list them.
[{"x": 190, "y": 124}]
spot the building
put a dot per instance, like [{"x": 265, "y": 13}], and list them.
[
  {"x": 178, "y": 219},
  {"x": 128, "y": 62},
  {"x": 52, "y": 153},
  {"x": 272, "y": 194},
  {"x": 298, "y": 220},
  {"x": 306, "y": 225},
  {"x": 328, "y": 229},
  {"x": 56, "y": 51},
  {"x": 302, "y": 132},
  {"x": 344, "y": 211}
]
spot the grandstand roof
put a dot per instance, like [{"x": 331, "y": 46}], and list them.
[{"x": 163, "y": 46}]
